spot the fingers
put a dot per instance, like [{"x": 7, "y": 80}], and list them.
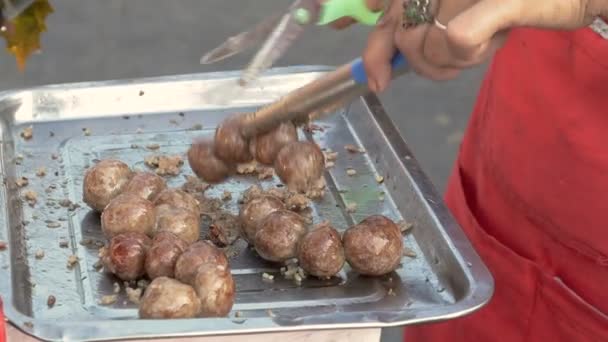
[{"x": 381, "y": 48}]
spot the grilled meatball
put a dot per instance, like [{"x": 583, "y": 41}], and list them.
[
  {"x": 126, "y": 255},
  {"x": 300, "y": 165},
  {"x": 254, "y": 211},
  {"x": 279, "y": 234},
  {"x": 206, "y": 165},
  {"x": 229, "y": 145},
  {"x": 128, "y": 213},
  {"x": 104, "y": 181},
  {"x": 146, "y": 185},
  {"x": 215, "y": 288},
  {"x": 168, "y": 298},
  {"x": 267, "y": 146},
  {"x": 178, "y": 199},
  {"x": 374, "y": 246},
  {"x": 321, "y": 253},
  {"x": 197, "y": 254},
  {"x": 162, "y": 256},
  {"x": 179, "y": 221}
]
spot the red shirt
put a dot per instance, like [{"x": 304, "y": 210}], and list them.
[{"x": 530, "y": 189}]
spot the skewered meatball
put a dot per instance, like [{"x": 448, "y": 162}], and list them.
[
  {"x": 267, "y": 146},
  {"x": 126, "y": 255},
  {"x": 300, "y": 166},
  {"x": 197, "y": 254},
  {"x": 162, "y": 256},
  {"x": 229, "y": 145},
  {"x": 256, "y": 210},
  {"x": 321, "y": 253},
  {"x": 179, "y": 221},
  {"x": 168, "y": 298},
  {"x": 104, "y": 181},
  {"x": 216, "y": 290},
  {"x": 178, "y": 199},
  {"x": 279, "y": 234},
  {"x": 128, "y": 213},
  {"x": 374, "y": 246},
  {"x": 146, "y": 185},
  {"x": 205, "y": 164}
]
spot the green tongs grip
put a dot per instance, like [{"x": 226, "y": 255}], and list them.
[{"x": 332, "y": 10}]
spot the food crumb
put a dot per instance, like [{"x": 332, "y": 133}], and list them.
[
  {"x": 139, "y": 130},
  {"x": 267, "y": 277},
  {"x": 265, "y": 172},
  {"x": 226, "y": 196},
  {"x": 22, "y": 181},
  {"x": 270, "y": 313},
  {"x": 404, "y": 226},
  {"x": 27, "y": 133},
  {"x": 153, "y": 146},
  {"x": 63, "y": 243},
  {"x": 391, "y": 292},
  {"x": 116, "y": 287},
  {"x": 39, "y": 254},
  {"x": 29, "y": 325},
  {"x": 379, "y": 179},
  {"x": 108, "y": 300},
  {"x": 86, "y": 242},
  {"x": 238, "y": 314},
  {"x": 142, "y": 284},
  {"x": 53, "y": 224},
  {"x": 351, "y": 172},
  {"x": 54, "y": 156},
  {"x": 141, "y": 93},
  {"x": 72, "y": 261},
  {"x": 409, "y": 252},
  {"x": 351, "y": 207},
  {"x": 41, "y": 172},
  {"x": 329, "y": 164},
  {"x": 353, "y": 149},
  {"x": 86, "y": 131},
  {"x": 2, "y": 245},
  {"x": 330, "y": 155},
  {"x": 134, "y": 295},
  {"x": 31, "y": 197},
  {"x": 469, "y": 264},
  {"x": 247, "y": 168},
  {"x": 165, "y": 165},
  {"x": 134, "y": 146},
  {"x": 50, "y": 302},
  {"x": 98, "y": 265}
]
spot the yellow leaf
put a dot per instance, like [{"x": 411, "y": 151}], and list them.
[{"x": 22, "y": 35}]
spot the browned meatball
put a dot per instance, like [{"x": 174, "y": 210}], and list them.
[
  {"x": 128, "y": 213},
  {"x": 178, "y": 199},
  {"x": 279, "y": 234},
  {"x": 300, "y": 165},
  {"x": 179, "y": 221},
  {"x": 168, "y": 298},
  {"x": 267, "y": 146},
  {"x": 197, "y": 254},
  {"x": 374, "y": 246},
  {"x": 224, "y": 230},
  {"x": 206, "y": 165},
  {"x": 320, "y": 252},
  {"x": 126, "y": 255},
  {"x": 146, "y": 185},
  {"x": 104, "y": 181},
  {"x": 162, "y": 256},
  {"x": 216, "y": 290},
  {"x": 229, "y": 145},
  {"x": 256, "y": 210}
]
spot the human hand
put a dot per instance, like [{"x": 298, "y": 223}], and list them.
[{"x": 473, "y": 31}]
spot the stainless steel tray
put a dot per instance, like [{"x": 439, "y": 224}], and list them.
[{"x": 87, "y": 121}]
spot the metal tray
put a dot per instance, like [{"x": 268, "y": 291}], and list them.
[{"x": 87, "y": 121}]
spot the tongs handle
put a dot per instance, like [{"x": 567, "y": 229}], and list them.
[{"x": 316, "y": 98}]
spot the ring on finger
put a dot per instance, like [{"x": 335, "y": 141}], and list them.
[{"x": 416, "y": 12}]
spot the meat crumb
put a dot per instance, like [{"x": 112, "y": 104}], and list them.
[
  {"x": 351, "y": 207},
  {"x": 194, "y": 185},
  {"x": 2, "y": 245},
  {"x": 50, "y": 302},
  {"x": 116, "y": 287},
  {"x": 54, "y": 156},
  {"x": 270, "y": 313},
  {"x": 247, "y": 168},
  {"x": 238, "y": 314},
  {"x": 53, "y": 224},
  {"x": 226, "y": 196},
  {"x": 63, "y": 243},
  {"x": 21, "y": 182},
  {"x": 391, "y": 292},
  {"x": 41, "y": 172},
  {"x": 108, "y": 300},
  {"x": 265, "y": 172},
  {"x": 86, "y": 131},
  {"x": 351, "y": 172},
  {"x": 330, "y": 155},
  {"x": 379, "y": 179},
  {"x": 404, "y": 226},
  {"x": 31, "y": 197},
  {"x": 98, "y": 265},
  {"x": 165, "y": 165},
  {"x": 329, "y": 164},
  {"x": 72, "y": 261},
  {"x": 353, "y": 149},
  {"x": 134, "y": 295},
  {"x": 297, "y": 202},
  {"x": 153, "y": 146},
  {"x": 39, "y": 254},
  {"x": 267, "y": 277},
  {"x": 409, "y": 253},
  {"x": 27, "y": 133}
]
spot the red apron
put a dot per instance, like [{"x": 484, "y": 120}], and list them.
[{"x": 530, "y": 189}]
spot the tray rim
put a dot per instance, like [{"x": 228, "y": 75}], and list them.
[{"x": 481, "y": 280}]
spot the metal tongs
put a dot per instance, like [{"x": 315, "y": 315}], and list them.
[{"x": 323, "y": 95}]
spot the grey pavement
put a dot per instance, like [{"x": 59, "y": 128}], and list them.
[{"x": 92, "y": 40}]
